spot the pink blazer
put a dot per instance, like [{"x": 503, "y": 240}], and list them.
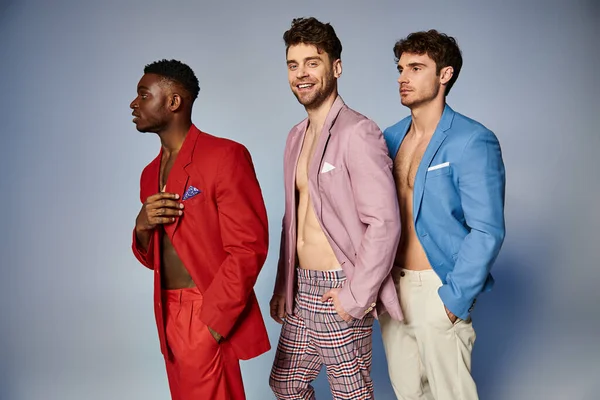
[{"x": 354, "y": 197}]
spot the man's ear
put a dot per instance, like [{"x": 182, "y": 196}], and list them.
[
  {"x": 175, "y": 102},
  {"x": 446, "y": 74},
  {"x": 337, "y": 68}
]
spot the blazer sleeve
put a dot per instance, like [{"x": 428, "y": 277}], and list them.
[
  {"x": 280, "y": 280},
  {"x": 370, "y": 170},
  {"x": 481, "y": 183},
  {"x": 281, "y": 277},
  {"x": 143, "y": 256},
  {"x": 244, "y": 234}
]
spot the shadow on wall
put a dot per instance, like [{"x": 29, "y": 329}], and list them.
[
  {"x": 495, "y": 319},
  {"x": 505, "y": 318}
]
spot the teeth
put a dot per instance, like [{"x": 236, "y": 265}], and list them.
[{"x": 305, "y": 85}]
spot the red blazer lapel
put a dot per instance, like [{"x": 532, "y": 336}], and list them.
[{"x": 178, "y": 177}]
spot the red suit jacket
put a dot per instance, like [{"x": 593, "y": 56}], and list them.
[{"x": 221, "y": 238}]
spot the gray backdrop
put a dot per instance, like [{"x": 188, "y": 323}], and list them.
[{"x": 77, "y": 318}]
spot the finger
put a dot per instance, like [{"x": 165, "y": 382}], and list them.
[
  {"x": 162, "y": 195},
  {"x": 164, "y": 212},
  {"x": 281, "y": 312},
  {"x": 275, "y": 316},
  {"x": 348, "y": 317},
  {"x": 326, "y": 296},
  {"x": 273, "y": 309},
  {"x": 161, "y": 220},
  {"x": 164, "y": 203}
]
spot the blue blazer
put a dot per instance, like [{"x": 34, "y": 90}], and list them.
[{"x": 458, "y": 205}]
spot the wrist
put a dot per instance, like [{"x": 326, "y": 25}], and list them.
[
  {"x": 215, "y": 334},
  {"x": 143, "y": 237}
]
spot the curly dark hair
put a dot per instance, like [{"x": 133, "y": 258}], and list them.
[
  {"x": 312, "y": 31},
  {"x": 176, "y": 71},
  {"x": 442, "y": 49}
]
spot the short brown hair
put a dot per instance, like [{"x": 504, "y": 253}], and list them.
[
  {"x": 440, "y": 47},
  {"x": 312, "y": 31}
]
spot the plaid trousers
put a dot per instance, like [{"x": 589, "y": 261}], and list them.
[{"x": 315, "y": 335}]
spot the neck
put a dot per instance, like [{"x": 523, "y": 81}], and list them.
[
  {"x": 317, "y": 116},
  {"x": 426, "y": 117},
  {"x": 173, "y": 136}
]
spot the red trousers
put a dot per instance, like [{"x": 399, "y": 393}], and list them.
[{"x": 198, "y": 367}]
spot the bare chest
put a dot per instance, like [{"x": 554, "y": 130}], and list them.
[
  {"x": 166, "y": 164},
  {"x": 306, "y": 155},
  {"x": 407, "y": 162}
]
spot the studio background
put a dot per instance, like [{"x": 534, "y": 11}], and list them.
[{"x": 76, "y": 307}]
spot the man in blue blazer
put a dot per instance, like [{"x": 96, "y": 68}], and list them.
[{"x": 450, "y": 181}]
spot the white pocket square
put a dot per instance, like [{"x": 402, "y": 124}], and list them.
[
  {"x": 439, "y": 166},
  {"x": 327, "y": 167}
]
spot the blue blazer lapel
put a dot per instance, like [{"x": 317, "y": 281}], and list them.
[
  {"x": 432, "y": 148},
  {"x": 398, "y": 137}
]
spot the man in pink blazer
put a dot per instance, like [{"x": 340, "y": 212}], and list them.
[{"x": 340, "y": 230}]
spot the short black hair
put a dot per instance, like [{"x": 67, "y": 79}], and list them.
[{"x": 176, "y": 71}]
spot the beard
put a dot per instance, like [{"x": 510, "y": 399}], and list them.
[
  {"x": 417, "y": 98},
  {"x": 148, "y": 127},
  {"x": 315, "y": 99},
  {"x": 152, "y": 121}
]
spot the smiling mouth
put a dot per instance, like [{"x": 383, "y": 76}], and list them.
[{"x": 305, "y": 85}]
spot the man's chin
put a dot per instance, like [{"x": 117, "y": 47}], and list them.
[
  {"x": 408, "y": 103},
  {"x": 301, "y": 100},
  {"x": 141, "y": 128},
  {"x": 311, "y": 103}
]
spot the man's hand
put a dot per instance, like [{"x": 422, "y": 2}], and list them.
[
  {"x": 277, "y": 306},
  {"x": 451, "y": 316},
  {"x": 333, "y": 294},
  {"x": 215, "y": 335},
  {"x": 160, "y": 208}
]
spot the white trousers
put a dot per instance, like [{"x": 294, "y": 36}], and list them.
[{"x": 428, "y": 356}]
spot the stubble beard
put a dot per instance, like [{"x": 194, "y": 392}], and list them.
[
  {"x": 156, "y": 125},
  {"x": 421, "y": 98},
  {"x": 316, "y": 99}
]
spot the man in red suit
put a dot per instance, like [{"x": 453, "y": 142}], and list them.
[{"x": 203, "y": 230}]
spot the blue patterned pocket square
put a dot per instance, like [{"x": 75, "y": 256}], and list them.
[{"x": 190, "y": 192}]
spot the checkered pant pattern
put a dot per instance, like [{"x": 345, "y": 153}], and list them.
[{"x": 315, "y": 335}]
